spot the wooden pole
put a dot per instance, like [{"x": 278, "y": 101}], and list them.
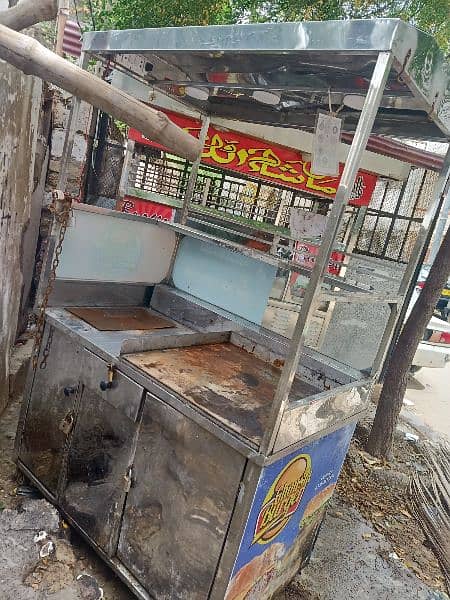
[
  {"x": 63, "y": 13},
  {"x": 31, "y": 57},
  {"x": 28, "y": 12}
]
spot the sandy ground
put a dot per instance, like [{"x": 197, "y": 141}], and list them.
[{"x": 429, "y": 390}]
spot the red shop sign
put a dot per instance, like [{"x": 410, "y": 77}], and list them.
[
  {"x": 146, "y": 208},
  {"x": 260, "y": 159}
]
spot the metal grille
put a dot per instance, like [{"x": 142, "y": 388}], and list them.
[
  {"x": 389, "y": 229},
  {"x": 393, "y": 219},
  {"x": 154, "y": 171}
]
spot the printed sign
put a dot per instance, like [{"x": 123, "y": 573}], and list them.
[
  {"x": 305, "y": 255},
  {"x": 261, "y": 159},
  {"x": 282, "y": 499},
  {"x": 146, "y": 208},
  {"x": 287, "y": 509},
  {"x": 326, "y": 145},
  {"x": 306, "y": 224}
]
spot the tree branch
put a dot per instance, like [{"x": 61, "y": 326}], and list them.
[
  {"x": 31, "y": 57},
  {"x": 29, "y": 12}
]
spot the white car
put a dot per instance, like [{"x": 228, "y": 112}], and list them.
[{"x": 434, "y": 349}]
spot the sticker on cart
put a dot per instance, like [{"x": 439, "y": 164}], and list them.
[
  {"x": 286, "y": 513},
  {"x": 282, "y": 499}
]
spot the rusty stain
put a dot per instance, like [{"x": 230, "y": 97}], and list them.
[
  {"x": 226, "y": 381},
  {"x": 121, "y": 319}
]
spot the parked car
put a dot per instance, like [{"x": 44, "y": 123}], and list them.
[
  {"x": 443, "y": 304},
  {"x": 434, "y": 349}
]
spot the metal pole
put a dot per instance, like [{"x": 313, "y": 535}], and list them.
[
  {"x": 70, "y": 133},
  {"x": 312, "y": 293},
  {"x": 123, "y": 184},
  {"x": 194, "y": 171},
  {"x": 441, "y": 188},
  {"x": 440, "y": 229}
]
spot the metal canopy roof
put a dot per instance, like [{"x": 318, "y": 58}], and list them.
[{"x": 282, "y": 73}]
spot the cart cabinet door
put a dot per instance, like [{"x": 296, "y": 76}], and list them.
[
  {"x": 177, "y": 513},
  {"x": 101, "y": 452},
  {"x": 51, "y": 410}
]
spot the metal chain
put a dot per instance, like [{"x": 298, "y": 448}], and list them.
[{"x": 61, "y": 215}]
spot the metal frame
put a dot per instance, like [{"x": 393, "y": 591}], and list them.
[
  {"x": 416, "y": 58},
  {"x": 440, "y": 190},
  {"x": 311, "y": 298}
]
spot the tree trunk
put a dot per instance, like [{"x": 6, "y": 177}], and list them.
[
  {"x": 28, "y": 13},
  {"x": 391, "y": 399},
  {"x": 29, "y": 56}
]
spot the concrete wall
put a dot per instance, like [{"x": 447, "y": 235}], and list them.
[
  {"x": 61, "y": 108},
  {"x": 20, "y": 107}
]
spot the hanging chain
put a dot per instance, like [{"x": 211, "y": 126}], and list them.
[{"x": 61, "y": 210}]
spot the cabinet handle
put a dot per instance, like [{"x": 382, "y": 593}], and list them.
[
  {"x": 70, "y": 389},
  {"x": 107, "y": 385}
]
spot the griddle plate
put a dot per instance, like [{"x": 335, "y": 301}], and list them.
[
  {"x": 233, "y": 386},
  {"x": 120, "y": 319}
]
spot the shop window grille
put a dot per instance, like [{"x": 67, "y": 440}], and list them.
[{"x": 394, "y": 216}]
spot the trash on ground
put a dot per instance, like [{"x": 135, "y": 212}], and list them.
[
  {"x": 47, "y": 549},
  {"x": 411, "y": 437},
  {"x": 90, "y": 590},
  {"x": 40, "y": 537}
]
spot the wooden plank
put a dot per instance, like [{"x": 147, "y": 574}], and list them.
[{"x": 31, "y": 57}]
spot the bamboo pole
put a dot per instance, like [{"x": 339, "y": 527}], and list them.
[
  {"x": 31, "y": 57},
  {"x": 28, "y": 12}
]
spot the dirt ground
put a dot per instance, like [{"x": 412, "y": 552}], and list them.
[{"x": 379, "y": 491}]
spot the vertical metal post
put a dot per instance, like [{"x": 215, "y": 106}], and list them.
[
  {"x": 441, "y": 188},
  {"x": 193, "y": 174},
  {"x": 440, "y": 229},
  {"x": 123, "y": 184},
  {"x": 312, "y": 294}
]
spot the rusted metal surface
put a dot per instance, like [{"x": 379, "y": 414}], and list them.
[
  {"x": 179, "y": 507},
  {"x": 120, "y": 319},
  {"x": 319, "y": 414},
  {"x": 45, "y": 434},
  {"x": 227, "y": 382}
]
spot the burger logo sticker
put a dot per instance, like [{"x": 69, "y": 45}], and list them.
[{"x": 282, "y": 499}]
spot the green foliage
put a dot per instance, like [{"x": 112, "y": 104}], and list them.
[
  {"x": 136, "y": 14},
  {"x": 430, "y": 15}
]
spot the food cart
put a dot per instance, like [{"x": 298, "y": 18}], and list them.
[{"x": 195, "y": 449}]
